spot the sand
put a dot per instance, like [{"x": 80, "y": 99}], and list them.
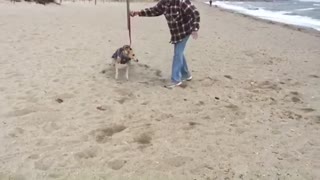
[{"x": 252, "y": 110}]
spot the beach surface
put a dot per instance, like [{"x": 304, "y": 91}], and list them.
[{"x": 252, "y": 110}]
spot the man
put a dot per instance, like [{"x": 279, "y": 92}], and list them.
[{"x": 183, "y": 20}]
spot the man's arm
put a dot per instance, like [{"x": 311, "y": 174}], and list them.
[
  {"x": 191, "y": 10},
  {"x": 156, "y": 10}
]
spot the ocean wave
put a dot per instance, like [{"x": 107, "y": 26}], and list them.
[
  {"x": 316, "y": 4},
  {"x": 277, "y": 16},
  {"x": 306, "y": 9},
  {"x": 309, "y": 0}
]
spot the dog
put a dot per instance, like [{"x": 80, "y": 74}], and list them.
[{"x": 121, "y": 60}]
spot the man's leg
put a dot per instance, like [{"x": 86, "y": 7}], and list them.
[
  {"x": 186, "y": 75},
  {"x": 178, "y": 61}
]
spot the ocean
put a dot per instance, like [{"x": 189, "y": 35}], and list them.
[{"x": 303, "y": 13}]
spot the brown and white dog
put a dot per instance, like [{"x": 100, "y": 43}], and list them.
[{"x": 121, "y": 59}]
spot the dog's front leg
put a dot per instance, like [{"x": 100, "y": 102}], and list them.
[
  {"x": 117, "y": 71},
  {"x": 127, "y": 72}
]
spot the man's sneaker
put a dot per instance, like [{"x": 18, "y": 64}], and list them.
[
  {"x": 188, "y": 79},
  {"x": 173, "y": 85}
]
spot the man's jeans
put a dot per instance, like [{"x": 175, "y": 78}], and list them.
[{"x": 179, "y": 66}]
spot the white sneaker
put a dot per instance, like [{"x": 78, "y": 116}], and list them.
[
  {"x": 173, "y": 85},
  {"x": 188, "y": 79}
]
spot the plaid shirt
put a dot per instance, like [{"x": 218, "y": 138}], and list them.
[{"x": 183, "y": 18}]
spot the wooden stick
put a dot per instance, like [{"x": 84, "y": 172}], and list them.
[{"x": 128, "y": 20}]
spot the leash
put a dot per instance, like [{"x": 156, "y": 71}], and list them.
[{"x": 129, "y": 20}]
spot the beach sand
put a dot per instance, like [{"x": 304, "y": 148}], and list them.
[{"x": 252, "y": 110}]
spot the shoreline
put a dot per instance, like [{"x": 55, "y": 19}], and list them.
[{"x": 289, "y": 26}]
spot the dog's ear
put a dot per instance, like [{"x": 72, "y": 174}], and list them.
[{"x": 126, "y": 47}]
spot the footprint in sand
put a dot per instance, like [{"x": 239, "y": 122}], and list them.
[
  {"x": 145, "y": 103},
  {"x": 16, "y": 132},
  {"x": 240, "y": 130},
  {"x": 228, "y": 76},
  {"x": 85, "y": 114},
  {"x": 149, "y": 71},
  {"x": 158, "y": 73},
  {"x": 103, "y": 108},
  {"x": 58, "y": 100},
  {"x": 43, "y": 164},
  {"x": 55, "y": 175},
  {"x": 295, "y": 93},
  {"x": 200, "y": 103},
  {"x": 41, "y": 142},
  {"x": 103, "y": 134},
  {"x": 61, "y": 97},
  {"x": 88, "y": 153},
  {"x": 144, "y": 65},
  {"x": 2, "y": 89},
  {"x": 178, "y": 161},
  {"x": 20, "y": 112},
  {"x": 103, "y": 71},
  {"x": 124, "y": 92},
  {"x": 269, "y": 85},
  {"x": 294, "y": 97},
  {"x": 291, "y": 115},
  {"x": 144, "y": 139},
  {"x": 49, "y": 127},
  {"x": 165, "y": 116},
  {"x": 232, "y": 107},
  {"x": 191, "y": 125},
  {"x": 237, "y": 111},
  {"x": 15, "y": 177},
  {"x": 34, "y": 156},
  {"x": 55, "y": 80},
  {"x": 126, "y": 95},
  {"x": 116, "y": 164},
  {"x": 206, "y": 117},
  {"x": 316, "y": 119},
  {"x": 122, "y": 100},
  {"x": 208, "y": 81},
  {"x": 314, "y": 76},
  {"x": 307, "y": 110}
]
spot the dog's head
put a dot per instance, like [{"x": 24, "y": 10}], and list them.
[{"x": 129, "y": 52}]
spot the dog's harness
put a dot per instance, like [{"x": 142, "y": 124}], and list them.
[{"x": 124, "y": 59}]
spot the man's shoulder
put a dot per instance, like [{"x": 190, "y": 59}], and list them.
[{"x": 186, "y": 2}]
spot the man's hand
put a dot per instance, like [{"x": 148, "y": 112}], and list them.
[
  {"x": 134, "y": 13},
  {"x": 194, "y": 35}
]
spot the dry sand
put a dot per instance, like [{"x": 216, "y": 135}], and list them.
[{"x": 251, "y": 112}]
